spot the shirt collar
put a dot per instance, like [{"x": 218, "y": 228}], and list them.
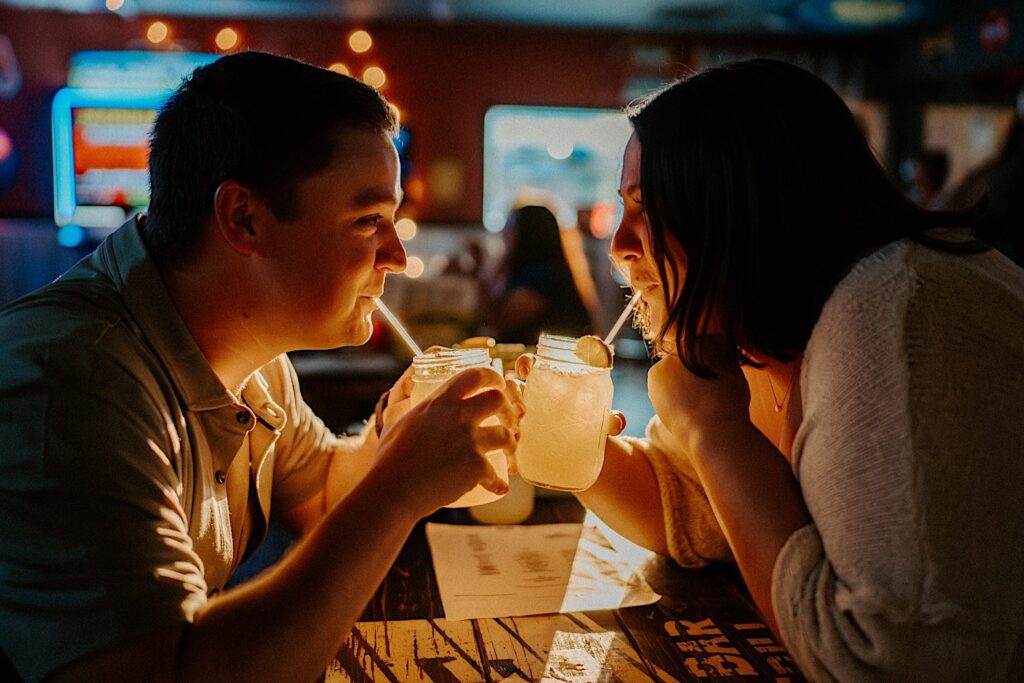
[
  {"x": 126, "y": 261},
  {"x": 256, "y": 394}
]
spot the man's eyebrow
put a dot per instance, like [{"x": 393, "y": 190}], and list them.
[{"x": 376, "y": 196}]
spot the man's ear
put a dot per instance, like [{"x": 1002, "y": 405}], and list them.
[{"x": 234, "y": 206}]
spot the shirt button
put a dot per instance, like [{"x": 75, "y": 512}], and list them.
[
  {"x": 243, "y": 417},
  {"x": 221, "y": 476}
]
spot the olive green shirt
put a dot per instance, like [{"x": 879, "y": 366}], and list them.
[{"x": 131, "y": 481}]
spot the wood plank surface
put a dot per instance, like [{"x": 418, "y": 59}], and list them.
[
  {"x": 572, "y": 648},
  {"x": 705, "y": 627}
]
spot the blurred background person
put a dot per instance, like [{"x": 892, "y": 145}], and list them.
[
  {"x": 1003, "y": 229},
  {"x": 930, "y": 171},
  {"x": 533, "y": 289},
  {"x": 999, "y": 183}
]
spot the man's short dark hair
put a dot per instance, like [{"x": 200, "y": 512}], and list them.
[{"x": 265, "y": 121}]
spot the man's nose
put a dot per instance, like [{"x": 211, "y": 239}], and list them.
[{"x": 391, "y": 257}]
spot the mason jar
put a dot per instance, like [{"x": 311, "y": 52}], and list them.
[
  {"x": 430, "y": 371},
  {"x": 566, "y": 423}
]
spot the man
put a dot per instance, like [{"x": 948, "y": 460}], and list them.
[{"x": 151, "y": 422}]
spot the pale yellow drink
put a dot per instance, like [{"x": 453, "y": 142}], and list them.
[
  {"x": 430, "y": 372},
  {"x": 566, "y": 423}
]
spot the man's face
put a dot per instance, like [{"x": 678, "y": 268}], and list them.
[{"x": 323, "y": 269}]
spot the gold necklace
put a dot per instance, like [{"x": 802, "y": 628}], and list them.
[{"x": 771, "y": 385}]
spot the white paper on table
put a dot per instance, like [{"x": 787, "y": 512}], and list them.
[{"x": 510, "y": 571}]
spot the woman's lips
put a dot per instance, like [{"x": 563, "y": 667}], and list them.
[{"x": 644, "y": 289}]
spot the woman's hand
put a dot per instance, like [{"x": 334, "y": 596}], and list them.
[
  {"x": 691, "y": 406},
  {"x": 524, "y": 364}
]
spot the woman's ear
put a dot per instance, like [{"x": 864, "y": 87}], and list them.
[{"x": 234, "y": 206}]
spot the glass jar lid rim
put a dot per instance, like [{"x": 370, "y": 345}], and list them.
[{"x": 446, "y": 356}]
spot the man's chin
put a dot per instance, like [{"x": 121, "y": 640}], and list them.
[
  {"x": 348, "y": 333},
  {"x": 356, "y": 335}
]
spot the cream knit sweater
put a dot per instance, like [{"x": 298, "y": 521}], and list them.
[{"x": 910, "y": 457}]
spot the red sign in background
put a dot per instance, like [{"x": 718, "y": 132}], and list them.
[{"x": 995, "y": 30}]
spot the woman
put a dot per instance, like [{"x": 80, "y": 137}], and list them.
[
  {"x": 840, "y": 395},
  {"x": 536, "y": 291}
]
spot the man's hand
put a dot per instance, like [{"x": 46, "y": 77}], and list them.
[
  {"x": 395, "y": 403},
  {"x": 435, "y": 452}
]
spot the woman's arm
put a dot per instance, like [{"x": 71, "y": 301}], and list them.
[
  {"x": 753, "y": 493},
  {"x": 627, "y": 498}
]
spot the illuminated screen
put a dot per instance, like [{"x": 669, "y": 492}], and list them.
[
  {"x": 110, "y": 150},
  {"x": 101, "y": 122},
  {"x": 100, "y": 154},
  {"x": 100, "y": 150},
  {"x": 573, "y": 155}
]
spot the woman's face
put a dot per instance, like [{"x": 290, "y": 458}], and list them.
[{"x": 633, "y": 254}]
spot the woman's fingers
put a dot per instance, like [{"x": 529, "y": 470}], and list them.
[
  {"x": 514, "y": 392},
  {"x": 616, "y": 423},
  {"x": 524, "y": 364}
]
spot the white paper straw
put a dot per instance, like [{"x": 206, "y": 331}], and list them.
[
  {"x": 622, "y": 318},
  {"x": 402, "y": 332}
]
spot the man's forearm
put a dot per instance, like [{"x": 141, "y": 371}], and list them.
[
  {"x": 288, "y": 623},
  {"x": 350, "y": 462}
]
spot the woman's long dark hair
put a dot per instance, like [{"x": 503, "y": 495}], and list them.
[{"x": 760, "y": 172}]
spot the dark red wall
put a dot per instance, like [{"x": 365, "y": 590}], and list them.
[{"x": 442, "y": 76}]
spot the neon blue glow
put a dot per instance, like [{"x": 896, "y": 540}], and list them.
[
  {"x": 64, "y": 101},
  {"x": 70, "y": 236},
  {"x": 134, "y": 69}
]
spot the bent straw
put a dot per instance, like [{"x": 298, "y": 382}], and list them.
[
  {"x": 622, "y": 318},
  {"x": 402, "y": 332}
]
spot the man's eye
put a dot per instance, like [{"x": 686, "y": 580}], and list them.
[{"x": 371, "y": 220}]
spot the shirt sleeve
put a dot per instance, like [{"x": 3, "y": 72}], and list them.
[
  {"x": 305, "y": 447},
  {"x": 909, "y": 458},
  {"x": 694, "y": 536},
  {"x": 95, "y": 546}
]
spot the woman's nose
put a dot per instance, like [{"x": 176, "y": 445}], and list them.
[{"x": 626, "y": 243}]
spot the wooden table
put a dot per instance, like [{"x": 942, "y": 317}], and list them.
[{"x": 704, "y": 627}]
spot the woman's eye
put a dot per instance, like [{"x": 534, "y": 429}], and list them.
[{"x": 371, "y": 221}]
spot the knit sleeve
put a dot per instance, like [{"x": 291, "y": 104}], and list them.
[
  {"x": 910, "y": 460},
  {"x": 694, "y": 537}
]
